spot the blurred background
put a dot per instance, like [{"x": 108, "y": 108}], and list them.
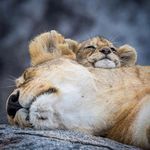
[{"x": 121, "y": 21}]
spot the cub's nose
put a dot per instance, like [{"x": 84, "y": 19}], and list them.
[
  {"x": 13, "y": 104},
  {"x": 105, "y": 51}
]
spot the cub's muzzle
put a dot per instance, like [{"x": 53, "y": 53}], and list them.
[{"x": 105, "y": 51}]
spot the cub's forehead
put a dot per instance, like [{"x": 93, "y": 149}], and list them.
[{"x": 96, "y": 41}]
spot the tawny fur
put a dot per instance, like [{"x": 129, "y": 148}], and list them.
[
  {"x": 114, "y": 103},
  {"x": 51, "y": 45}
]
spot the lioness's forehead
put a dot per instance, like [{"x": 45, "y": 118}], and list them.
[
  {"x": 43, "y": 67},
  {"x": 97, "y": 41},
  {"x": 34, "y": 70}
]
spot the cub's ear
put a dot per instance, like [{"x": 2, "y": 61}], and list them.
[
  {"x": 48, "y": 46},
  {"x": 69, "y": 48},
  {"x": 128, "y": 55},
  {"x": 73, "y": 45}
]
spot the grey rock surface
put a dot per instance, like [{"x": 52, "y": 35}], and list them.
[{"x": 12, "y": 138}]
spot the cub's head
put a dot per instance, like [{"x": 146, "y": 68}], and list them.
[
  {"x": 35, "y": 82},
  {"x": 101, "y": 53}
]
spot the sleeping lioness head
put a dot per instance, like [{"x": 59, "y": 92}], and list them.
[
  {"x": 46, "y": 51},
  {"x": 101, "y": 53}
]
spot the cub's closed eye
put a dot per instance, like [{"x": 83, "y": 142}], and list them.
[
  {"x": 125, "y": 57},
  {"x": 113, "y": 49},
  {"x": 90, "y": 47}
]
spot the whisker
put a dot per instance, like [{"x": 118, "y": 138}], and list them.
[
  {"x": 12, "y": 80},
  {"x": 12, "y": 77},
  {"x": 7, "y": 86},
  {"x": 114, "y": 39}
]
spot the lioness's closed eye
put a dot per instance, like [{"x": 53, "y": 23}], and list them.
[{"x": 101, "y": 53}]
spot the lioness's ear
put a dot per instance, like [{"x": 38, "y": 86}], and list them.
[
  {"x": 128, "y": 55},
  {"x": 44, "y": 47}
]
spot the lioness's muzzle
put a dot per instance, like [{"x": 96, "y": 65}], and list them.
[{"x": 13, "y": 104}]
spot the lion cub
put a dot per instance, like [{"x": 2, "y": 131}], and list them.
[{"x": 101, "y": 53}]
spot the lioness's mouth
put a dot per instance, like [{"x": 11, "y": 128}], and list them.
[{"x": 48, "y": 91}]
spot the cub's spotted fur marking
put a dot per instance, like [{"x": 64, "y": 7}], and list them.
[{"x": 101, "y": 53}]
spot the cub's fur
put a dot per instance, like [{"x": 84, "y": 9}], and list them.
[
  {"x": 101, "y": 53},
  {"x": 59, "y": 93}
]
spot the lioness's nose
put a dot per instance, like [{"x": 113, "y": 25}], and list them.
[
  {"x": 105, "y": 51},
  {"x": 13, "y": 104}
]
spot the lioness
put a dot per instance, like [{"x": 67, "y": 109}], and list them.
[
  {"x": 62, "y": 94},
  {"x": 99, "y": 52}
]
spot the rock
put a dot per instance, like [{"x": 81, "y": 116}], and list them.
[{"x": 23, "y": 139}]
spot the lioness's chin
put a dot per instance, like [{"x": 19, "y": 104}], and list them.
[
  {"x": 42, "y": 114},
  {"x": 105, "y": 63}
]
